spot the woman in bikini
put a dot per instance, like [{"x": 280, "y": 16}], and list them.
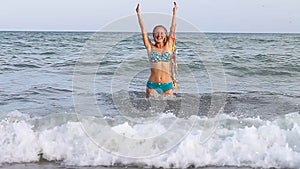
[{"x": 160, "y": 56}]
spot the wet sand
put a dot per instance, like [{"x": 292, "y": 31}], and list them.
[{"x": 57, "y": 165}]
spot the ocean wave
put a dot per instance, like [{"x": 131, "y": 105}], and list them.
[
  {"x": 234, "y": 141},
  {"x": 48, "y": 53},
  {"x": 67, "y": 63},
  {"x": 264, "y": 40},
  {"x": 24, "y": 65},
  {"x": 49, "y": 89}
]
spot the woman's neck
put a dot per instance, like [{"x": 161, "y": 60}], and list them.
[{"x": 159, "y": 45}]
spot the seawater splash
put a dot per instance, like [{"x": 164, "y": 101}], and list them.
[{"x": 250, "y": 142}]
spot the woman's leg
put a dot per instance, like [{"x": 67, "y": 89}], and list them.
[
  {"x": 149, "y": 92},
  {"x": 169, "y": 93}
]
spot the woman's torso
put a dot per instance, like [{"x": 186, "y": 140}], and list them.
[{"x": 160, "y": 63}]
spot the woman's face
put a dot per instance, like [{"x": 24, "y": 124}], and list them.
[{"x": 159, "y": 34}]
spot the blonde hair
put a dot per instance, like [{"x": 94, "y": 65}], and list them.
[{"x": 160, "y": 26}]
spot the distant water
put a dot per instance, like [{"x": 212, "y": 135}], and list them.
[{"x": 259, "y": 125}]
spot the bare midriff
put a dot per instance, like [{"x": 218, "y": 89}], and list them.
[{"x": 160, "y": 72}]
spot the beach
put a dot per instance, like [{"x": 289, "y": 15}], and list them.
[{"x": 76, "y": 100}]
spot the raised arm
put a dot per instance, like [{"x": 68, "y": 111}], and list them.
[
  {"x": 173, "y": 24},
  {"x": 146, "y": 39}
]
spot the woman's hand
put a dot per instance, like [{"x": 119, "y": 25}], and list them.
[
  {"x": 138, "y": 11},
  {"x": 175, "y": 8}
]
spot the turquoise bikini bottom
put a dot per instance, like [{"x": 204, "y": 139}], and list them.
[{"x": 160, "y": 87}]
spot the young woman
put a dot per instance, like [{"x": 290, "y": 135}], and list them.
[{"x": 160, "y": 56}]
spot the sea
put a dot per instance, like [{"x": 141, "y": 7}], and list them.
[{"x": 77, "y": 100}]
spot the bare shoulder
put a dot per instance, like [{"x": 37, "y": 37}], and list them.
[
  {"x": 150, "y": 48},
  {"x": 170, "y": 42}
]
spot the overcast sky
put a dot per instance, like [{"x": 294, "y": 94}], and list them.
[{"x": 206, "y": 15}]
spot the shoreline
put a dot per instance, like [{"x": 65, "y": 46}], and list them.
[{"x": 56, "y": 164}]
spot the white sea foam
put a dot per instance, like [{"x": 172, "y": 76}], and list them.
[{"x": 235, "y": 141}]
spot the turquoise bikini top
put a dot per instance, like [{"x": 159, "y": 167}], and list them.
[{"x": 156, "y": 57}]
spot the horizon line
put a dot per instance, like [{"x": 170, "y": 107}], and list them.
[{"x": 93, "y": 31}]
